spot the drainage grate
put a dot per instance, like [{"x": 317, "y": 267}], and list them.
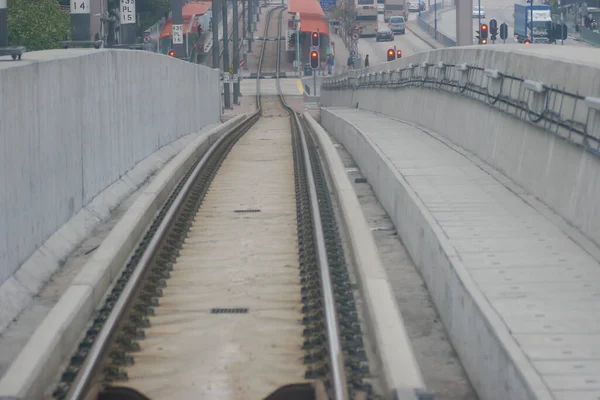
[
  {"x": 247, "y": 211},
  {"x": 229, "y": 310}
]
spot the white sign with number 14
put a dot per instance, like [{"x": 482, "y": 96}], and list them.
[{"x": 80, "y": 6}]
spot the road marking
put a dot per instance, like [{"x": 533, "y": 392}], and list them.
[{"x": 300, "y": 86}]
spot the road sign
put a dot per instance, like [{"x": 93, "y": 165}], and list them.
[
  {"x": 241, "y": 63},
  {"x": 235, "y": 78},
  {"x": 127, "y": 12},
  {"x": 177, "y": 34},
  {"x": 226, "y": 78},
  {"x": 355, "y": 36},
  {"x": 146, "y": 39},
  {"x": 80, "y": 6}
]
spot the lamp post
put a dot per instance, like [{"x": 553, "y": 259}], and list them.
[
  {"x": 298, "y": 67},
  {"x": 434, "y": 17}
]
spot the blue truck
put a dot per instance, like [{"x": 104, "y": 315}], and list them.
[{"x": 542, "y": 16}]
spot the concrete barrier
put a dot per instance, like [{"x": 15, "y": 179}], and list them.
[
  {"x": 563, "y": 175},
  {"x": 476, "y": 330},
  {"x": 73, "y": 122},
  {"x": 56, "y": 338},
  {"x": 399, "y": 368}
]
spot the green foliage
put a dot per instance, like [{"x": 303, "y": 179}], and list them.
[{"x": 37, "y": 25}]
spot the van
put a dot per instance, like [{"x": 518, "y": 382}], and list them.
[{"x": 398, "y": 24}]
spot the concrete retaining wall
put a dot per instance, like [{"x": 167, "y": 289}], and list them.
[
  {"x": 72, "y": 122},
  {"x": 563, "y": 176}
]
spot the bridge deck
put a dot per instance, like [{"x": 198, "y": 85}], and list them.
[{"x": 544, "y": 286}]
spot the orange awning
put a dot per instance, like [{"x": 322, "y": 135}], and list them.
[
  {"x": 195, "y": 8},
  {"x": 306, "y": 8},
  {"x": 312, "y": 25},
  {"x": 188, "y": 12},
  {"x": 167, "y": 29}
]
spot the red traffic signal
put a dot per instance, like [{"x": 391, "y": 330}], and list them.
[
  {"x": 314, "y": 59},
  {"x": 172, "y": 53},
  {"x": 391, "y": 55},
  {"x": 483, "y": 27},
  {"x": 399, "y": 54},
  {"x": 527, "y": 41},
  {"x": 314, "y": 39}
]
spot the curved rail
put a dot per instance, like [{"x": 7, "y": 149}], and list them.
[
  {"x": 338, "y": 377},
  {"x": 94, "y": 359}
]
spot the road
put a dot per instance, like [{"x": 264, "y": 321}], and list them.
[
  {"x": 408, "y": 43},
  {"x": 500, "y": 10}
]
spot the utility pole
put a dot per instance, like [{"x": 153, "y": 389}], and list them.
[
  {"x": 250, "y": 20},
  {"x": 128, "y": 23},
  {"x": 177, "y": 33},
  {"x": 80, "y": 21},
  {"x": 3, "y": 23},
  {"x": 216, "y": 4},
  {"x": 236, "y": 54},
  {"x": 226, "y": 86}
]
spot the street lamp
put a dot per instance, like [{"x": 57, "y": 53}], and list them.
[{"x": 434, "y": 17}]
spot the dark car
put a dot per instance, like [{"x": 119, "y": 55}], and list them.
[
  {"x": 398, "y": 24},
  {"x": 384, "y": 33}
]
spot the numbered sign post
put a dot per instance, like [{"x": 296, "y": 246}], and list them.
[
  {"x": 80, "y": 20},
  {"x": 178, "y": 34},
  {"x": 3, "y": 24},
  {"x": 128, "y": 22}
]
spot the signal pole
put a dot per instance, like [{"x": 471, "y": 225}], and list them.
[
  {"x": 215, "y": 33},
  {"x": 250, "y": 20},
  {"x": 236, "y": 54},
  {"x": 177, "y": 33},
  {"x": 226, "y": 86},
  {"x": 128, "y": 23}
]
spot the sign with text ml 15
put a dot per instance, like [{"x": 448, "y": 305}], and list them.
[
  {"x": 127, "y": 12},
  {"x": 80, "y": 6},
  {"x": 177, "y": 34}
]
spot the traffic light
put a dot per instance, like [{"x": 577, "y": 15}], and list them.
[
  {"x": 172, "y": 53},
  {"x": 314, "y": 59},
  {"x": 314, "y": 39},
  {"x": 493, "y": 30},
  {"x": 527, "y": 41},
  {"x": 398, "y": 53},
  {"x": 484, "y": 32},
  {"x": 503, "y": 31},
  {"x": 391, "y": 55}
]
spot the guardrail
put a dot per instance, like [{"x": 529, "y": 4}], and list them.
[
  {"x": 571, "y": 116},
  {"x": 590, "y": 36}
]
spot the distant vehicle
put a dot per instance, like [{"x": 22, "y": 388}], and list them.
[
  {"x": 366, "y": 17},
  {"x": 413, "y": 5},
  {"x": 478, "y": 12},
  {"x": 393, "y": 8},
  {"x": 542, "y": 16},
  {"x": 398, "y": 25},
  {"x": 384, "y": 33},
  {"x": 380, "y": 8}
]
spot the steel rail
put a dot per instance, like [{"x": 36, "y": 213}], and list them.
[
  {"x": 101, "y": 344},
  {"x": 338, "y": 376}
]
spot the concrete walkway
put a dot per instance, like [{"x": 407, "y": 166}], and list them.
[{"x": 519, "y": 298}]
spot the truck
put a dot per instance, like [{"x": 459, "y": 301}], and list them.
[
  {"x": 393, "y": 8},
  {"x": 542, "y": 20}
]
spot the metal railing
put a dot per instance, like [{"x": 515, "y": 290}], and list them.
[{"x": 571, "y": 116}]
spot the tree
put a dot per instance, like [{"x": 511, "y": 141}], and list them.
[{"x": 37, "y": 25}]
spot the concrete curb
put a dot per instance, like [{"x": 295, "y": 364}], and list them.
[
  {"x": 421, "y": 35},
  {"x": 55, "y": 339},
  {"x": 399, "y": 367},
  {"x": 496, "y": 366}
]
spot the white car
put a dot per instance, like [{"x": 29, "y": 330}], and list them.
[
  {"x": 412, "y": 5},
  {"x": 380, "y": 8},
  {"x": 478, "y": 12}
]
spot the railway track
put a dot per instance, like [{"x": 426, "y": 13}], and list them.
[{"x": 239, "y": 289}]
